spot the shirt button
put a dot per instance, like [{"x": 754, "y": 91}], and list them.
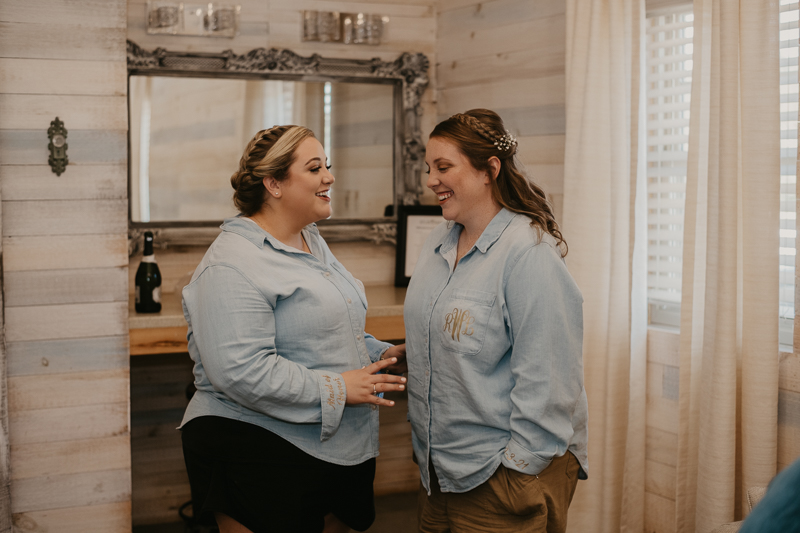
[
  {"x": 327, "y": 274},
  {"x": 373, "y": 406},
  {"x": 427, "y": 373},
  {"x": 358, "y": 337},
  {"x": 349, "y": 301}
]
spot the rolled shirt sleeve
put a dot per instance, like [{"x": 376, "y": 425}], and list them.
[
  {"x": 544, "y": 313},
  {"x": 234, "y": 331}
]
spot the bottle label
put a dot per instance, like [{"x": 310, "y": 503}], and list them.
[
  {"x": 156, "y": 295},
  {"x": 149, "y": 259},
  {"x": 138, "y": 295}
]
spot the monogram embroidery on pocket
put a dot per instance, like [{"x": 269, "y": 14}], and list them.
[{"x": 459, "y": 321}]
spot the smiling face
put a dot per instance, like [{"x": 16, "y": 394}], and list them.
[
  {"x": 306, "y": 190},
  {"x": 464, "y": 192}
]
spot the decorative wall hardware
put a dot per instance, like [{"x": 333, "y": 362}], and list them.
[
  {"x": 178, "y": 18},
  {"x": 57, "y": 134},
  {"x": 347, "y": 28}
]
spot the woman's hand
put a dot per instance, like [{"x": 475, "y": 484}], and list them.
[
  {"x": 398, "y": 352},
  {"x": 364, "y": 384}
]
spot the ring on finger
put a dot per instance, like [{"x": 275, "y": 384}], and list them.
[{"x": 374, "y": 389}]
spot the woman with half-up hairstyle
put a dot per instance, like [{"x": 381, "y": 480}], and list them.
[
  {"x": 494, "y": 332},
  {"x": 281, "y": 433}
]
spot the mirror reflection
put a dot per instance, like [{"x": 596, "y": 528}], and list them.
[{"x": 187, "y": 135}]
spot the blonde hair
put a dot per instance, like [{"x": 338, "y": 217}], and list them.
[{"x": 269, "y": 153}]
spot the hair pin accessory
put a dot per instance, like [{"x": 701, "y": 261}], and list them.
[{"x": 505, "y": 142}]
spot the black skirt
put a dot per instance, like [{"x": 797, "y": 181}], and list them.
[{"x": 267, "y": 484}]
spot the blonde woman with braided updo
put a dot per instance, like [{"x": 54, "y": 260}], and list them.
[
  {"x": 282, "y": 432},
  {"x": 494, "y": 330}
]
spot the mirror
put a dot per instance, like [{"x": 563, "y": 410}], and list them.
[
  {"x": 187, "y": 135},
  {"x": 192, "y": 114}
]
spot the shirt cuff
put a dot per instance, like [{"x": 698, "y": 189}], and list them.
[
  {"x": 377, "y": 349},
  {"x": 518, "y": 458},
  {"x": 333, "y": 393}
]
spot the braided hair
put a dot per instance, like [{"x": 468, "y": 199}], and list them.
[
  {"x": 480, "y": 134},
  {"x": 269, "y": 153}
]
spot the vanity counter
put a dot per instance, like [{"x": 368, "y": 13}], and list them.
[{"x": 165, "y": 332}]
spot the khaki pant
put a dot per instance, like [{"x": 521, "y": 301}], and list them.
[{"x": 508, "y": 502}]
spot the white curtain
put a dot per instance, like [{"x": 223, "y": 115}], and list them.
[
  {"x": 729, "y": 312},
  {"x": 604, "y": 224}
]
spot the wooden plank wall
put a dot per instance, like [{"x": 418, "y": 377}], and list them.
[
  {"x": 509, "y": 56},
  {"x": 65, "y": 264}
]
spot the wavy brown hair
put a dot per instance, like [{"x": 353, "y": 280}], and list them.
[
  {"x": 269, "y": 153},
  {"x": 477, "y": 134}
]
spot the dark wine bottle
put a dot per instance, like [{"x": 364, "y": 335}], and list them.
[{"x": 148, "y": 280}]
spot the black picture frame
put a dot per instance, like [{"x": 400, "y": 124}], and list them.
[{"x": 410, "y": 237}]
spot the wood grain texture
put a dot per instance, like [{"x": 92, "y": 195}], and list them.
[
  {"x": 158, "y": 341},
  {"x": 493, "y": 14},
  {"x": 71, "y": 321},
  {"x": 86, "y": 13},
  {"x": 69, "y": 286},
  {"x": 86, "y": 147},
  {"x": 68, "y": 390},
  {"x": 78, "y": 112},
  {"x": 62, "y": 41},
  {"x": 64, "y": 217},
  {"x": 73, "y": 251},
  {"x": 48, "y": 76},
  {"x": 67, "y": 355},
  {"x": 71, "y": 490},
  {"x": 84, "y": 182},
  {"x": 70, "y": 457},
  {"x": 68, "y": 423},
  {"x": 102, "y": 518},
  {"x": 498, "y": 95}
]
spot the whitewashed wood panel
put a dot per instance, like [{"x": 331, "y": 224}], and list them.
[
  {"x": 370, "y": 263},
  {"x": 68, "y": 390},
  {"x": 84, "y": 13},
  {"x": 503, "y": 95},
  {"x": 70, "y": 490},
  {"x": 106, "y": 518},
  {"x": 660, "y": 479},
  {"x": 495, "y": 15},
  {"x": 663, "y": 347},
  {"x": 659, "y": 516},
  {"x": 67, "y": 355},
  {"x": 540, "y": 150},
  {"x": 70, "y": 457},
  {"x": 450, "y": 5},
  {"x": 62, "y": 41},
  {"x": 68, "y": 423},
  {"x": 545, "y": 35},
  {"x": 661, "y": 446},
  {"x": 394, "y": 9},
  {"x": 69, "y": 286},
  {"x": 548, "y": 177},
  {"x": 72, "y": 251},
  {"x": 83, "y": 182},
  {"x": 24, "y": 111},
  {"x": 44, "y": 322},
  {"x": 522, "y": 64},
  {"x": 251, "y": 11},
  {"x": 64, "y": 217},
  {"x": 49, "y": 76},
  {"x": 86, "y": 147}
]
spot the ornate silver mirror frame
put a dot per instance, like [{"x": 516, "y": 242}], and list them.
[{"x": 409, "y": 72}]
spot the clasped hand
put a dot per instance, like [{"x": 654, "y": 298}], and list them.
[{"x": 364, "y": 384}]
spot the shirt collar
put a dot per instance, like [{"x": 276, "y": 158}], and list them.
[
  {"x": 490, "y": 234},
  {"x": 251, "y": 231}
]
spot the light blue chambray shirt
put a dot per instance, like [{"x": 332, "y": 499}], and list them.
[
  {"x": 271, "y": 329},
  {"x": 494, "y": 353}
]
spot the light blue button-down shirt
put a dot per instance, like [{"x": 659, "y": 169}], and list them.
[
  {"x": 271, "y": 329},
  {"x": 494, "y": 354}
]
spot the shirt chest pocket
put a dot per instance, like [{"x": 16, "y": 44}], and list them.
[{"x": 463, "y": 320}]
